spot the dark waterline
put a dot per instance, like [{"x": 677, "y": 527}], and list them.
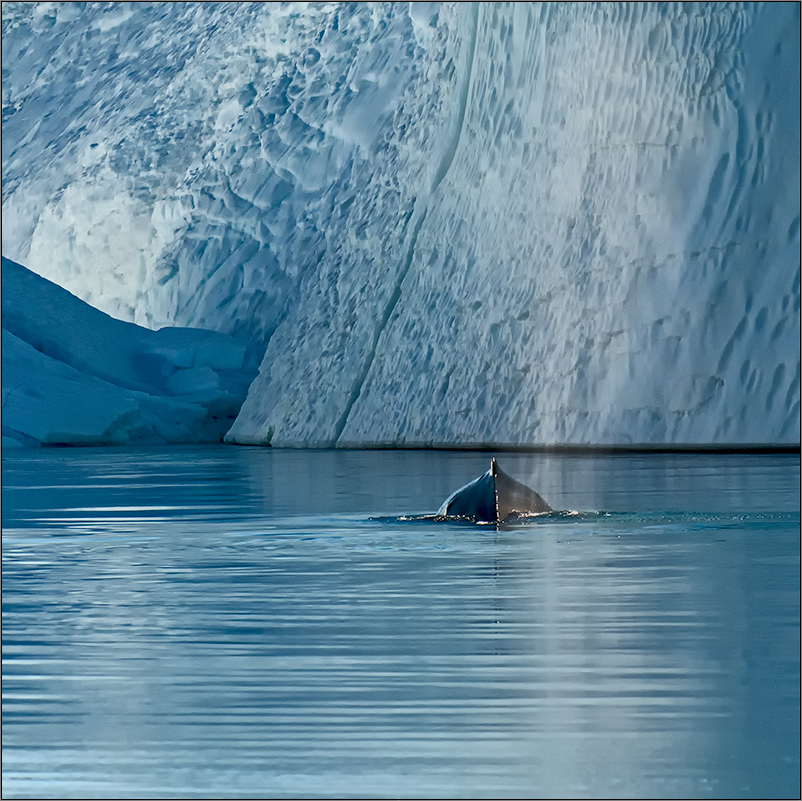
[{"x": 254, "y": 622}]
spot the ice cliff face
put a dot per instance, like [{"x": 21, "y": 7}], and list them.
[{"x": 526, "y": 224}]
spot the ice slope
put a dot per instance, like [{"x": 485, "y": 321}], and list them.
[
  {"x": 73, "y": 375},
  {"x": 457, "y": 224}
]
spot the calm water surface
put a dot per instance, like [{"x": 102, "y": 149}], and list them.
[{"x": 223, "y": 621}]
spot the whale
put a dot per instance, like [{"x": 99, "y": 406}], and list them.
[{"x": 493, "y": 498}]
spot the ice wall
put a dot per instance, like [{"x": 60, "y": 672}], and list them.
[
  {"x": 611, "y": 254},
  {"x": 524, "y": 224},
  {"x": 190, "y": 163}
]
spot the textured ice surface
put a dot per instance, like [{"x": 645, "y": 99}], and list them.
[
  {"x": 526, "y": 224},
  {"x": 74, "y": 375}
]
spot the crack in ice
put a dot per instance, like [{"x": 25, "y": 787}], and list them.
[{"x": 442, "y": 170}]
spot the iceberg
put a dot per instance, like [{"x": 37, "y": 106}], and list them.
[
  {"x": 72, "y": 375},
  {"x": 440, "y": 224}
]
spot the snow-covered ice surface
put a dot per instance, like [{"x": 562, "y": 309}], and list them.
[
  {"x": 449, "y": 224},
  {"x": 73, "y": 375}
]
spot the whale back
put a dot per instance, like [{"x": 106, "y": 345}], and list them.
[
  {"x": 476, "y": 499},
  {"x": 492, "y": 498},
  {"x": 513, "y": 497}
]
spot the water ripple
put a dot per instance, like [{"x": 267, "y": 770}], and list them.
[{"x": 179, "y": 649}]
